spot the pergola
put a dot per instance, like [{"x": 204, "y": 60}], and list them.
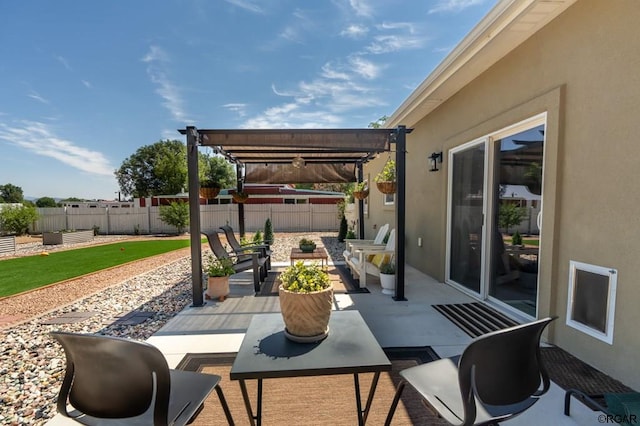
[{"x": 295, "y": 156}]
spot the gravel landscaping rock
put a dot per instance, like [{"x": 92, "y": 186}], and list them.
[{"x": 32, "y": 364}]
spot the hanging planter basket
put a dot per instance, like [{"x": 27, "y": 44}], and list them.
[
  {"x": 209, "y": 193},
  {"x": 361, "y": 195},
  {"x": 240, "y": 198},
  {"x": 386, "y": 187}
]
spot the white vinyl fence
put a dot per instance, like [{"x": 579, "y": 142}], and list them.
[{"x": 146, "y": 220}]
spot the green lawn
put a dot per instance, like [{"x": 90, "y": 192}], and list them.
[{"x": 26, "y": 273}]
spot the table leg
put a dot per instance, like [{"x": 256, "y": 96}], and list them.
[
  {"x": 257, "y": 418},
  {"x": 363, "y": 414}
]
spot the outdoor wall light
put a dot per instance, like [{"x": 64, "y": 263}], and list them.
[
  {"x": 297, "y": 162},
  {"x": 434, "y": 159}
]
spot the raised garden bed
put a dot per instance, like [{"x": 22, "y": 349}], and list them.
[{"x": 71, "y": 237}]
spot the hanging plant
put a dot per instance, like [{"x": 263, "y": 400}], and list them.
[
  {"x": 209, "y": 189},
  {"x": 386, "y": 179},
  {"x": 240, "y": 197},
  {"x": 361, "y": 191}
]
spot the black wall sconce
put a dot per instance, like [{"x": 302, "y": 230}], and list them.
[{"x": 434, "y": 159}]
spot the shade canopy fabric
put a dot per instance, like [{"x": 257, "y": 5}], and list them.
[{"x": 298, "y": 155}]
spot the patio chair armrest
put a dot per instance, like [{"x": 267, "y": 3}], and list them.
[
  {"x": 250, "y": 245},
  {"x": 362, "y": 254},
  {"x": 370, "y": 250}
]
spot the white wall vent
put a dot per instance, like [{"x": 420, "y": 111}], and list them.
[{"x": 592, "y": 300}]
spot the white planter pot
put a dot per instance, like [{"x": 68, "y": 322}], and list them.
[
  {"x": 388, "y": 283},
  {"x": 217, "y": 288}
]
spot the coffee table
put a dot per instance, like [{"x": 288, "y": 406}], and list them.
[
  {"x": 318, "y": 253},
  {"x": 350, "y": 348}
]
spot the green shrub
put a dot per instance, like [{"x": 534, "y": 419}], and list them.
[
  {"x": 351, "y": 234},
  {"x": 17, "y": 219},
  {"x": 388, "y": 268},
  {"x": 257, "y": 238},
  {"x": 516, "y": 239},
  {"x": 176, "y": 214},
  {"x": 268, "y": 232},
  {"x": 301, "y": 278},
  {"x": 219, "y": 267},
  {"x": 344, "y": 227}
]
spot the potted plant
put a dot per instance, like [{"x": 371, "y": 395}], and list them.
[
  {"x": 386, "y": 179},
  {"x": 388, "y": 277},
  {"x": 306, "y": 245},
  {"x": 218, "y": 271},
  {"x": 361, "y": 190},
  {"x": 306, "y": 298},
  {"x": 240, "y": 197},
  {"x": 209, "y": 189}
]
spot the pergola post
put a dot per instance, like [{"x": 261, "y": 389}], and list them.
[
  {"x": 194, "y": 215},
  {"x": 360, "y": 205},
  {"x": 401, "y": 170},
  {"x": 239, "y": 187}
]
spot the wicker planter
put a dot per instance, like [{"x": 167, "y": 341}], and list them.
[
  {"x": 217, "y": 288},
  {"x": 306, "y": 315},
  {"x": 361, "y": 195},
  {"x": 386, "y": 187},
  {"x": 240, "y": 198},
  {"x": 209, "y": 193}
]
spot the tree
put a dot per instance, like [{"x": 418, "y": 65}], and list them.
[
  {"x": 46, "y": 202},
  {"x": 161, "y": 169},
  {"x": 176, "y": 214},
  {"x": 217, "y": 169},
  {"x": 268, "y": 231},
  {"x": 18, "y": 219},
  {"x": 157, "y": 169},
  {"x": 11, "y": 194},
  {"x": 344, "y": 228},
  {"x": 510, "y": 215},
  {"x": 378, "y": 123}
]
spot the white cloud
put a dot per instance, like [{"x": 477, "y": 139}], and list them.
[
  {"x": 361, "y": 7},
  {"x": 320, "y": 103},
  {"x": 155, "y": 54},
  {"x": 37, "y": 97},
  {"x": 237, "y": 107},
  {"x": 454, "y": 5},
  {"x": 394, "y": 43},
  {"x": 40, "y": 139},
  {"x": 64, "y": 62},
  {"x": 396, "y": 36},
  {"x": 328, "y": 71},
  {"x": 157, "y": 59},
  {"x": 407, "y": 26},
  {"x": 246, "y": 5},
  {"x": 364, "y": 68},
  {"x": 87, "y": 84},
  {"x": 354, "y": 31},
  {"x": 292, "y": 34}
]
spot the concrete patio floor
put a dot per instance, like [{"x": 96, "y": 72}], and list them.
[{"x": 220, "y": 326}]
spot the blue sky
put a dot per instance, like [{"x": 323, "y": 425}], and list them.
[{"x": 84, "y": 84}]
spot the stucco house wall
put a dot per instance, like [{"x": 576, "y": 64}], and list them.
[{"x": 581, "y": 69}]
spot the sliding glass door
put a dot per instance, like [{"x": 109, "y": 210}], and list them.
[
  {"x": 495, "y": 212},
  {"x": 466, "y": 216}
]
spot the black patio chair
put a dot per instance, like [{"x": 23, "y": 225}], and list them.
[
  {"x": 497, "y": 377},
  {"x": 252, "y": 260},
  {"x": 110, "y": 380},
  {"x": 240, "y": 250}
]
